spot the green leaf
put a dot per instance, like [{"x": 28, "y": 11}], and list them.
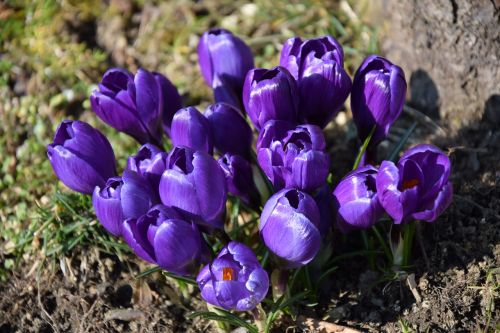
[
  {"x": 363, "y": 148},
  {"x": 225, "y": 316},
  {"x": 402, "y": 142},
  {"x": 180, "y": 278},
  {"x": 148, "y": 272}
]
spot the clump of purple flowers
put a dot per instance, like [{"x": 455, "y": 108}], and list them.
[{"x": 167, "y": 204}]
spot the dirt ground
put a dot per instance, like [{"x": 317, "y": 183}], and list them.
[{"x": 457, "y": 284}]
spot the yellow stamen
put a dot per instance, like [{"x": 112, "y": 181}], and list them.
[
  {"x": 227, "y": 274},
  {"x": 411, "y": 183}
]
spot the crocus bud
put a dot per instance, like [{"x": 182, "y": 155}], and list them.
[
  {"x": 171, "y": 101},
  {"x": 191, "y": 129},
  {"x": 164, "y": 238},
  {"x": 377, "y": 98},
  {"x": 107, "y": 205},
  {"x": 270, "y": 95},
  {"x": 81, "y": 156},
  {"x": 149, "y": 162},
  {"x": 136, "y": 104},
  {"x": 318, "y": 66},
  {"x": 417, "y": 187},
  {"x": 231, "y": 132},
  {"x": 235, "y": 280},
  {"x": 224, "y": 61},
  {"x": 289, "y": 227},
  {"x": 195, "y": 184},
  {"x": 293, "y": 156},
  {"x": 137, "y": 194},
  {"x": 356, "y": 200},
  {"x": 239, "y": 179}
]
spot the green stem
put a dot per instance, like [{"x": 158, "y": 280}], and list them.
[
  {"x": 363, "y": 148},
  {"x": 369, "y": 249},
  {"x": 408, "y": 235},
  {"x": 383, "y": 243}
]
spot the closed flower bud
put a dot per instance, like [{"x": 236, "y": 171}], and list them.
[
  {"x": 195, "y": 184},
  {"x": 149, "y": 162},
  {"x": 191, "y": 129},
  {"x": 377, "y": 98},
  {"x": 239, "y": 179},
  {"x": 235, "y": 280},
  {"x": 356, "y": 200},
  {"x": 81, "y": 156},
  {"x": 224, "y": 61},
  {"x": 231, "y": 132},
  {"x": 293, "y": 157},
  {"x": 289, "y": 227},
  {"x": 318, "y": 66},
  {"x": 135, "y": 105},
  {"x": 107, "y": 205},
  {"x": 417, "y": 187},
  {"x": 164, "y": 238},
  {"x": 270, "y": 95}
]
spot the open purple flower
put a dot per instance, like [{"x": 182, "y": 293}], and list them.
[
  {"x": 239, "y": 178},
  {"x": 164, "y": 238},
  {"x": 81, "y": 156},
  {"x": 149, "y": 162},
  {"x": 107, "y": 205},
  {"x": 377, "y": 98},
  {"x": 191, "y": 129},
  {"x": 224, "y": 61},
  {"x": 318, "y": 66},
  {"x": 270, "y": 95},
  {"x": 230, "y": 130},
  {"x": 356, "y": 200},
  {"x": 235, "y": 280},
  {"x": 289, "y": 227},
  {"x": 417, "y": 187},
  {"x": 195, "y": 184},
  {"x": 135, "y": 105},
  {"x": 293, "y": 157}
]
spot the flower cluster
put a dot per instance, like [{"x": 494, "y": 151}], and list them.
[{"x": 165, "y": 202}]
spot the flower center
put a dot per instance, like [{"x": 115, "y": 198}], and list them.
[
  {"x": 227, "y": 274},
  {"x": 411, "y": 183}
]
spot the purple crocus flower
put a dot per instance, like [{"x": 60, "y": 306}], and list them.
[
  {"x": 191, "y": 129},
  {"x": 289, "y": 227},
  {"x": 195, "y": 184},
  {"x": 417, "y": 187},
  {"x": 239, "y": 178},
  {"x": 270, "y": 94},
  {"x": 293, "y": 156},
  {"x": 356, "y": 200},
  {"x": 318, "y": 66},
  {"x": 224, "y": 61},
  {"x": 149, "y": 162},
  {"x": 82, "y": 158},
  {"x": 138, "y": 194},
  {"x": 163, "y": 237},
  {"x": 107, "y": 205},
  {"x": 135, "y": 105},
  {"x": 378, "y": 96},
  {"x": 235, "y": 280},
  {"x": 231, "y": 132}
]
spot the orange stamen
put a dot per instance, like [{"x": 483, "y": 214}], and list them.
[
  {"x": 227, "y": 274},
  {"x": 407, "y": 184}
]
